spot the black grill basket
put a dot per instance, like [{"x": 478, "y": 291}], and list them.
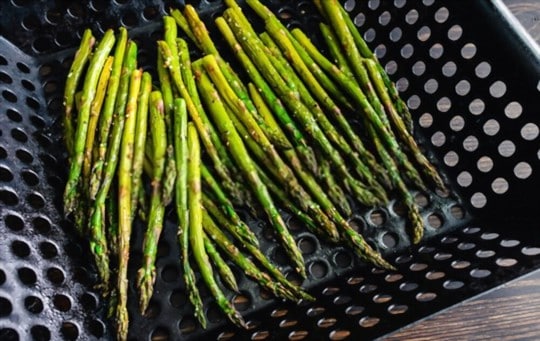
[{"x": 471, "y": 79}]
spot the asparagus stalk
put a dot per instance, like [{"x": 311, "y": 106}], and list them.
[
  {"x": 141, "y": 129},
  {"x": 169, "y": 176},
  {"x": 415, "y": 219},
  {"x": 366, "y": 52},
  {"x": 221, "y": 156},
  {"x": 224, "y": 270},
  {"x": 227, "y": 207},
  {"x": 314, "y": 58},
  {"x": 334, "y": 190},
  {"x": 182, "y": 207},
  {"x": 125, "y": 216},
  {"x": 297, "y": 138},
  {"x": 112, "y": 219},
  {"x": 98, "y": 242},
  {"x": 189, "y": 81},
  {"x": 195, "y": 115},
  {"x": 399, "y": 126},
  {"x": 201, "y": 33},
  {"x": 182, "y": 22},
  {"x": 244, "y": 263},
  {"x": 283, "y": 198},
  {"x": 293, "y": 161},
  {"x": 196, "y": 233},
  {"x": 147, "y": 273},
  {"x": 369, "y": 102},
  {"x": 253, "y": 250},
  {"x": 364, "y": 163},
  {"x": 265, "y": 153},
  {"x": 110, "y": 162},
  {"x": 301, "y": 112},
  {"x": 89, "y": 91},
  {"x": 334, "y": 49},
  {"x": 118, "y": 75},
  {"x": 95, "y": 111},
  {"x": 245, "y": 163},
  {"x": 76, "y": 71}
]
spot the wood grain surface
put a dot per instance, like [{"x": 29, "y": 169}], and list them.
[
  {"x": 528, "y": 13},
  {"x": 509, "y": 312}
]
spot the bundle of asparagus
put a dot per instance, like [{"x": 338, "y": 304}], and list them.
[{"x": 210, "y": 140}]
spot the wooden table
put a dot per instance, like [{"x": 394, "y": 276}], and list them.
[{"x": 509, "y": 312}]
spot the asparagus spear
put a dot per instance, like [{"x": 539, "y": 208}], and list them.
[
  {"x": 415, "y": 219},
  {"x": 182, "y": 22},
  {"x": 221, "y": 156},
  {"x": 283, "y": 198},
  {"x": 125, "y": 216},
  {"x": 293, "y": 160},
  {"x": 201, "y": 33},
  {"x": 371, "y": 105},
  {"x": 334, "y": 49},
  {"x": 244, "y": 263},
  {"x": 253, "y": 250},
  {"x": 182, "y": 208},
  {"x": 275, "y": 29},
  {"x": 399, "y": 126},
  {"x": 334, "y": 190},
  {"x": 98, "y": 243},
  {"x": 169, "y": 176},
  {"x": 147, "y": 273},
  {"x": 265, "y": 153},
  {"x": 118, "y": 74},
  {"x": 76, "y": 71},
  {"x": 297, "y": 138},
  {"x": 195, "y": 115},
  {"x": 95, "y": 111},
  {"x": 224, "y": 270},
  {"x": 196, "y": 236},
  {"x": 364, "y": 163},
  {"x": 227, "y": 207},
  {"x": 111, "y": 214},
  {"x": 89, "y": 90},
  {"x": 141, "y": 129},
  {"x": 301, "y": 112},
  {"x": 243, "y": 160},
  {"x": 390, "y": 86}
]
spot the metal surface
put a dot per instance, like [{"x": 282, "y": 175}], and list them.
[{"x": 470, "y": 80}]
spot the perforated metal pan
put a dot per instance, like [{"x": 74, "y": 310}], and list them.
[{"x": 471, "y": 80}]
